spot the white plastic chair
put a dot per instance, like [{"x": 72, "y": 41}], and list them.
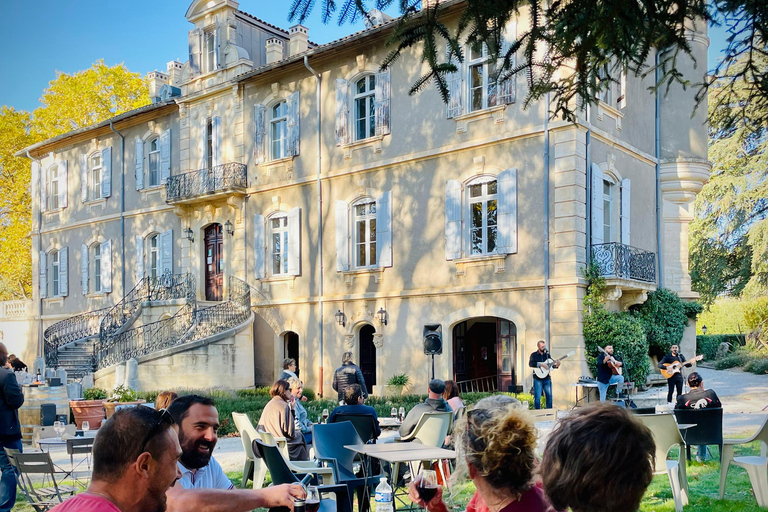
[
  {"x": 247, "y": 435},
  {"x": 756, "y": 466},
  {"x": 297, "y": 466},
  {"x": 430, "y": 431},
  {"x": 666, "y": 435}
]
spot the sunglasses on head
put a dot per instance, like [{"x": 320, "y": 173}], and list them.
[{"x": 164, "y": 419}]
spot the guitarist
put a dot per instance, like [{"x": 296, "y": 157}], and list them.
[
  {"x": 675, "y": 382},
  {"x": 606, "y": 373},
  {"x": 539, "y": 359}
]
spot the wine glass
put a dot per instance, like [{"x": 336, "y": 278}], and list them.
[
  {"x": 402, "y": 413},
  {"x": 325, "y": 415},
  {"x": 86, "y": 427},
  {"x": 58, "y": 427},
  {"x": 312, "y": 501},
  {"x": 393, "y": 413},
  {"x": 427, "y": 485}
]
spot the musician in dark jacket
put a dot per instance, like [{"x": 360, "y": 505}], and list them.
[
  {"x": 539, "y": 359},
  {"x": 675, "y": 382},
  {"x": 11, "y": 399},
  {"x": 605, "y": 377},
  {"x": 347, "y": 374}
]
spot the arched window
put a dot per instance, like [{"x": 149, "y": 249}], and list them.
[
  {"x": 55, "y": 274},
  {"x": 482, "y": 214},
  {"x": 96, "y": 250},
  {"x": 153, "y": 157},
  {"x": 364, "y": 232},
  {"x": 365, "y": 109},
  {"x": 278, "y": 245},
  {"x": 96, "y": 170},
  {"x": 153, "y": 254},
  {"x": 278, "y": 130}
]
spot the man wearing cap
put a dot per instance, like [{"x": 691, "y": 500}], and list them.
[{"x": 434, "y": 403}]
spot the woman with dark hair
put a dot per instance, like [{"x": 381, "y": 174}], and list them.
[
  {"x": 495, "y": 446},
  {"x": 452, "y": 396},
  {"x": 279, "y": 419},
  {"x": 289, "y": 369}
]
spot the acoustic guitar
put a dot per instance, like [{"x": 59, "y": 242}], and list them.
[
  {"x": 542, "y": 372},
  {"x": 670, "y": 369},
  {"x": 612, "y": 363}
]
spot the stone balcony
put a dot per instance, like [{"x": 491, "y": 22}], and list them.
[
  {"x": 230, "y": 179},
  {"x": 629, "y": 272}
]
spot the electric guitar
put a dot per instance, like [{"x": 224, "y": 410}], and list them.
[
  {"x": 543, "y": 372},
  {"x": 612, "y": 363},
  {"x": 673, "y": 368}
]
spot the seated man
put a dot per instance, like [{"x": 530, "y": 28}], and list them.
[
  {"x": 698, "y": 398},
  {"x": 203, "y": 486},
  {"x": 353, "y": 400},
  {"x": 434, "y": 403}
]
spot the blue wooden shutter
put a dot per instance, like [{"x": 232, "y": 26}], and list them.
[
  {"x": 166, "y": 243},
  {"x": 63, "y": 184},
  {"x": 106, "y": 172},
  {"x": 383, "y": 102},
  {"x": 452, "y": 220},
  {"x": 195, "y": 52},
  {"x": 84, "y": 269},
  {"x": 597, "y": 205},
  {"x": 625, "y": 211},
  {"x": 384, "y": 229},
  {"x": 43, "y": 275},
  {"x": 63, "y": 272},
  {"x": 45, "y": 178},
  {"x": 342, "y": 112},
  {"x": 342, "y": 236},
  {"x": 139, "y": 164},
  {"x": 259, "y": 247},
  {"x": 217, "y": 156},
  {"x": 294, "y": 241},
  {"x": 84, "y": 178},
  {"x": 506, "y": 239},
  {"x": 292, "y": 103},
  {"x": 106, "y": 266},
  {"x": 259, "y": 133},
  {"x": 165, "y": 156}
]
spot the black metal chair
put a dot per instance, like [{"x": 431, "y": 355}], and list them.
[
  {"x": 40, "y": 498},
  {"x": 364, "y": 424},
  {"x": 281, "y": 474},
  {"x": 708, "y": 430},
  {"x": 643, "y": 410},
  {"x": 79, "y": 446}
]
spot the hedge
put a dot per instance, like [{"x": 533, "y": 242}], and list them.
[
  {"x": 758, "y": 366},
  {"x": 708, "y": 344},
  {"x": 732, "y": 361},
  {"x": 664, "y": 316}
]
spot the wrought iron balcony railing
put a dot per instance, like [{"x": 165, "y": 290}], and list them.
[
  {"x": 625, "y": 262},
  {"x": 206, "y": 181}
]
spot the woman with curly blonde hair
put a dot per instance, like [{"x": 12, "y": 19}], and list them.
[{"x": 495, "y": 446}]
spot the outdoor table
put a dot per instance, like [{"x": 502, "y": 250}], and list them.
[
  {"x": 589, "y": 385},
  {"x": 387, "y": 422},
  {"x": 683, "y": 428},
  {"x": 50, "y": 442}
]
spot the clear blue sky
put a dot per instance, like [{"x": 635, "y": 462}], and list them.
[{"x": 40, "y": 37}]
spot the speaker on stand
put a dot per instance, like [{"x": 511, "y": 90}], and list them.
[{"x": 433, "y": 342}]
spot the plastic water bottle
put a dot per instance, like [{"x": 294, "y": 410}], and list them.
[{"x": 384, "y": 496}]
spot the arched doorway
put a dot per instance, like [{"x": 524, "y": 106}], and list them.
[
  {"x": 214, "y": 262},
  {"x": 367, "y": 356},
  {"x": 484, "y": 354},
  {"x": 291, "y": 348}
]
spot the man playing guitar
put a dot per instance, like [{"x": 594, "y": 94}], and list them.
[
  {"x": 675, "y": 382},
  {"x": 609, "y": 372},
  {"x": 539, "y": 359}
]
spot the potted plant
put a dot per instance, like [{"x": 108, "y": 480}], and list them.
[
  {"x": 397, "y": 384},
  {"x": 121, "y": 395},
  {"x": 90, "y": 408}
]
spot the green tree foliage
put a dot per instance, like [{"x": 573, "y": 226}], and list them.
[
  {"x": 70, "y": 102},
  {"x": 15, "y": 271},
  {"x": 724, "y": 316},
  {"x": 729, "y": 235},
  {"x": 664, "y": 319},
  {"x": 587, "y": 39},
  {"x": 622, "y": 330}
]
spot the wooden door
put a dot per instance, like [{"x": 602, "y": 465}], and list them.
[
  {"x": 214, "y": 262},
  {"x": 368, "y": 356}
]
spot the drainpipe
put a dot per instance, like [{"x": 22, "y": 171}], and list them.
[
  {"x": 40, "y": 348},
  {"x": 122, "y": 207},
  {"x": 589, "y": 184},
  {"x": 318, "y": 78},
  {"x": 546, "y": 222},
  {"x": 657, "y": 154}
]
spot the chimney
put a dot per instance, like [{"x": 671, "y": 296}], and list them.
[
  {"x": 274, "y": 50},
  {"x": 298, "y": 41},
  {"x": 174, "y": 73},
  {"x": 428, "y": 3},
  {"x": 156, "y": 80}
]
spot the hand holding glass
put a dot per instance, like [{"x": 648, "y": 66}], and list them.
[{"x": 427, "y": 485}]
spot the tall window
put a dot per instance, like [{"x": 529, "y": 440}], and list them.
[
  {"x": 482, "y": 83},
  {"x": 279, "y": 245},
  {"x": 607, "y": 211},
  {"x": 365, "y": 233},
  {"x": 482, "y": 217},
  {"x": 154, "y": 163},
  {"x": 96, "y": 176},
  {"x": 209, "y": 143},
  {"x": 365, "y": 109},
  {"x": 154, "y": 256},
  {"x": 279, "y": 129},
  {"x": 53, "y": 188},
  {"x": 605, "y": 95},
  {"x": 55, "y": 274},
  {"x": 97, "y": 268},
  {"x": 210, "y": 50}
]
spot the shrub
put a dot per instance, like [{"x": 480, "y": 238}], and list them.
[
  {"x": 693, "y": 309},
  {"x": 758, "y": 366},
  {"x": 123, "y": 394},
  {"x": 664, "y": 320},
  {"x": 756, "y": 312},
  {"x": 708, "y": 344},
  {"x": 95, "y": 394},
  {"x": 740, "y": 358},
  {"x": 399, "y": 379},
  {"x": 625, "y": 332},
  {"x": 310, "y": 394}
]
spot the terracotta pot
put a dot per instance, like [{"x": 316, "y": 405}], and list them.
[
  {"x": 109, "y": 407},
  {"x": 91, "y": 411}
]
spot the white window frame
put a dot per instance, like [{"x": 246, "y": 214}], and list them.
[
  {"x": 209, "y": 40},
  {"x": 55, "y": 274},
  {"x": 368, "y": 98},
  {"x": 488, "y": 68},
  {"x": 605, "y": 95},
  {"x": 608, "y": 202},
  {"x": 281, "y": 230},
  {"x": 209, "y": 144},
  {"x": 53, "y": 187},
  {"x": 96, "y": 257},
  {"x": 369, "y": 244},
  {"x": 154, "y": 263},
  {"x": 484, "y": 198},
  {"x": 278, "y": 120},
  {"x": 153, "y": 154},
  {"x": 95, "y": 172}
]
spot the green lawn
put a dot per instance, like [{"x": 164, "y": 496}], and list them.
[{"x": 703, "y": 486}]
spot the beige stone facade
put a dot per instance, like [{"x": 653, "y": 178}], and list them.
[{"x": 476, "y": 219}]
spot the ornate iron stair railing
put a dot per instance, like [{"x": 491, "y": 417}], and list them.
[
  {"x": 206, "y": 181},
  {"x": 83, "y": 326},
  {"x": 625, "y": 262}
]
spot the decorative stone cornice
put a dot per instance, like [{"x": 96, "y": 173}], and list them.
[{"x": 683, "y": 178}]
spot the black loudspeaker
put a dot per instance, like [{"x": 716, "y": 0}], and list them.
[
  {"x": 433, "y": 339},
  {"x": 47, "y": 414}
]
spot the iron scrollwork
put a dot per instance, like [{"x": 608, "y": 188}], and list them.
[
  {"x": 206, "y": 181},
  {"x": 625, "y": 262}
]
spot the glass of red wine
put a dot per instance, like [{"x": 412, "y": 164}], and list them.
[
  {"x": 427, "y": 486},
  {"x": 312, "y": 501}
]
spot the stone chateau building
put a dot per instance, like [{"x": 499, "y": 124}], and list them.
[{"x": 284, "y": 199}]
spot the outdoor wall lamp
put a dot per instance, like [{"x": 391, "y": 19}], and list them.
[
  {"x": 230, "y": 228},
  {"x": 704, "y": 330},
  {"x": 340, "y": 318},
  {"x": 190, "y": 235},
  {"x": 382, "y": 316}
]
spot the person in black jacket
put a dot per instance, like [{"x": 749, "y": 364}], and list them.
[
  {"x": 675, "y": 382},
  {"x": 539, "y": 359},
  {"x": 698, "y": 398},
  {"x": 347, "y": 374},
  {"x": 11, "y": 399}
]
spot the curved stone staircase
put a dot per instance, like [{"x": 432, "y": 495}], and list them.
[{"x": 95, "y": 340}]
